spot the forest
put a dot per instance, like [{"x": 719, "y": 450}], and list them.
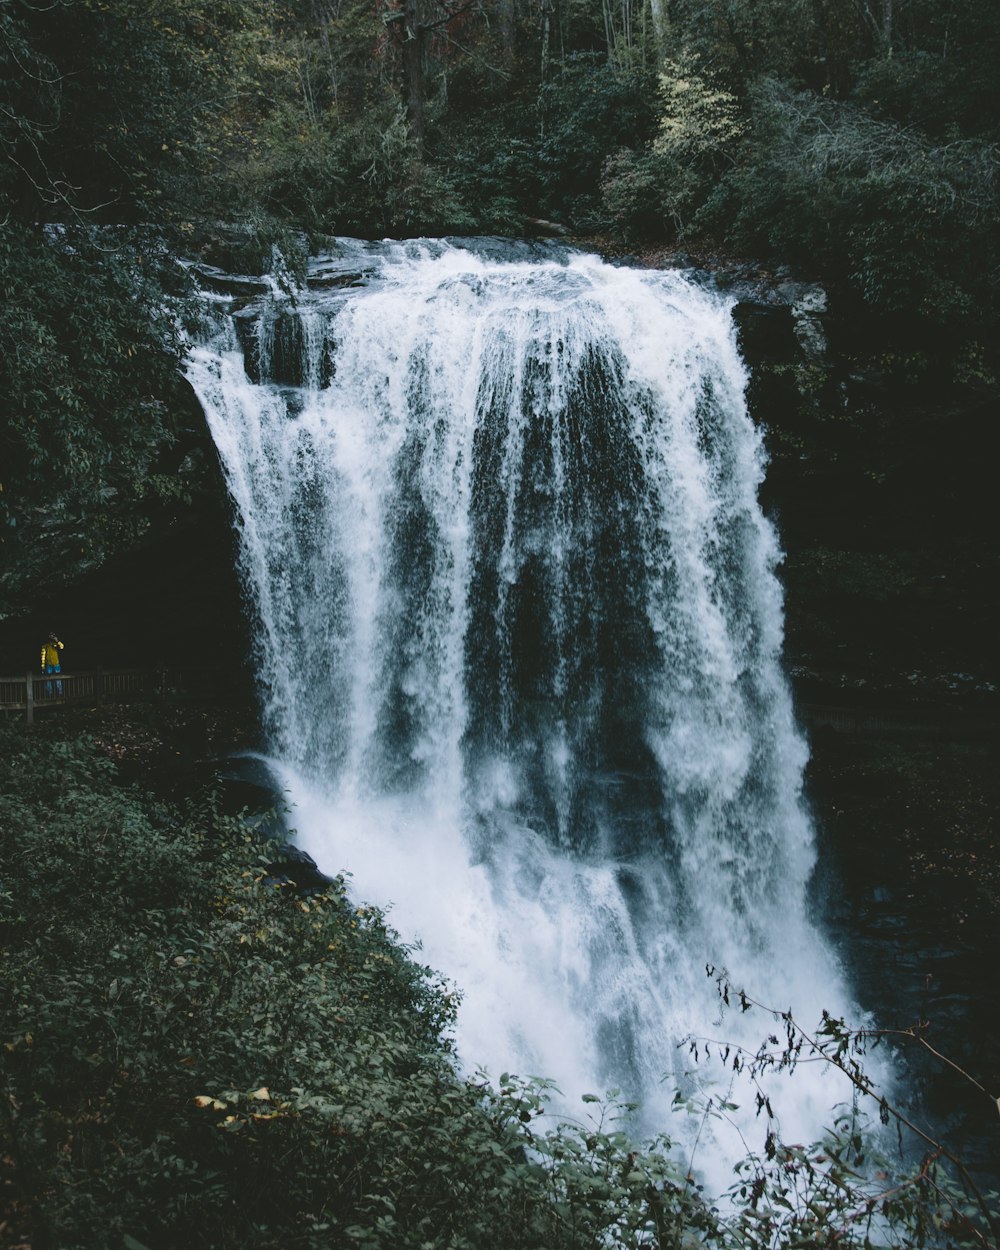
[
  {"x": 854, "y": 140},
  {"x": 196, "y": 1052}
]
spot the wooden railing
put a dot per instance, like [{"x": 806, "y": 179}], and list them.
[{"x": 35, "y": 692}]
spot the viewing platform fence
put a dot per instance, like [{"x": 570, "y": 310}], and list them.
[{"x": 40, "y": 692}]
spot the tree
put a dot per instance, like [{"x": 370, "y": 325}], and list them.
[
  {"x": 89, "y": 356},
  {"x": 113, "y": 109}
]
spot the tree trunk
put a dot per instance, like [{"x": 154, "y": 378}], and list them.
[
  {"x": 657, "y": 11},
  {"x": 546, "y": 36},
  {"x": 507, "y": 21},
  {"x": 413, "y": 71}
]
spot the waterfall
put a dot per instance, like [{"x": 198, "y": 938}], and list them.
[{"x": 519, "y": 638}]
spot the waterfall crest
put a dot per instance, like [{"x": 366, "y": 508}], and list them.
[{"x": 519, "y": 636}]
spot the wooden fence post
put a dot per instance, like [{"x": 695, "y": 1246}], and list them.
[{"x": 29, "y": 697}]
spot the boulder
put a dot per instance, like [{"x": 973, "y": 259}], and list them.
[{"x": 294, "y": 869}]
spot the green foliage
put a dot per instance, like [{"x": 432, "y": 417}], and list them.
[
  {"x": 89, "y": 355},
  {"x": 813, "y": 44},
  {"x": 193, "y": 1054},
  {"x": 699, "y": 131},
  {"x": 491, "y": 160},
  {"x": 941, "y": 78},
  {"x": 910, "y": 223},
  {"x": 115, "y": 106},
  {"x": 339, "y": 175},
  {"x": 699, "y": 119},
  {"x": 589, "y": 109},
  {"x": 844, "y": 1191},
  {"x": 637, "y": 194},
  {"x": 916, "y": 90},
  {"x": 82, "y": 318}
]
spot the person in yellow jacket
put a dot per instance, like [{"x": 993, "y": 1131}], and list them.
[{"x": 51, "y": 663}]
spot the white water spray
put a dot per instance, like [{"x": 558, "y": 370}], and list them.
[{"x": 519, "y": 638}]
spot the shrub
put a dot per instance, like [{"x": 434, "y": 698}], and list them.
[
  {"x": 589, "y": 109},
  {"x": 358, "y": 176},
  {"x": 909, "y": 223},
  {"x": 659, "y": 189},
  {"x": 637, "y": 194}
]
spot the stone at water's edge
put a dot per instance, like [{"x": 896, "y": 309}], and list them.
[{"x": 292, "y": 868}]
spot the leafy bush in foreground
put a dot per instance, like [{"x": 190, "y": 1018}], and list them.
[{"x": 193, "y": 1055}]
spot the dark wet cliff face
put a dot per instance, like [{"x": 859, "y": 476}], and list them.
[
  {"x": 882, "y": 495},
  {"x": 881, "y": 487}
]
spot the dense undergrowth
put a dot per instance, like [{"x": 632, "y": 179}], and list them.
[{"x": 194, "y": 1054}]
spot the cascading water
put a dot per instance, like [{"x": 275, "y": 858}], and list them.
[{"x": 519, "y": 642}]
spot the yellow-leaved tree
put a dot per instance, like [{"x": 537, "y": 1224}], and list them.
[{"x": 699, "y": 134}]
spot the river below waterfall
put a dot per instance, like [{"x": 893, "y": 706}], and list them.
[{"x": 518, "y": 636}]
